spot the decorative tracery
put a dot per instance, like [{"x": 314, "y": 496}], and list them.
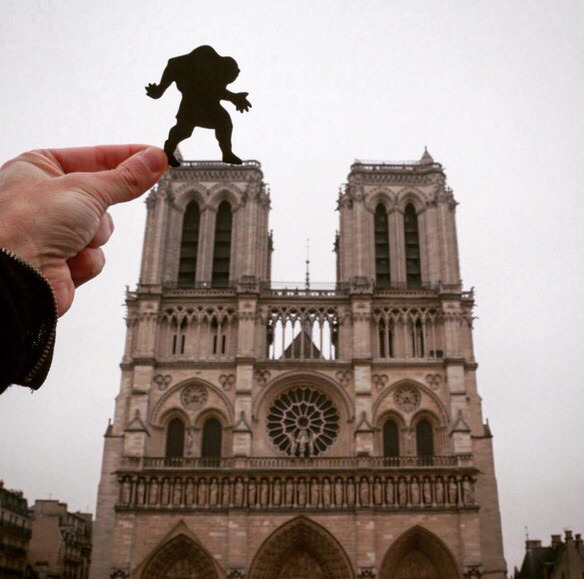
[{"x": 303, "y": 422}]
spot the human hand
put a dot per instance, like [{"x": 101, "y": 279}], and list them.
[
  {"x": 53, "y": 207},
  {"x": 240, "y": 101},
  {"x": 154, "y": 91}
]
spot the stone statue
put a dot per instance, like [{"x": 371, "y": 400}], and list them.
[
  {"x": 377, "y": 492},
  {"x": 427, "y": 491},
  {"x": 177, "y": 492},
  {"x": 402, "y": 489},
  {"x": 264, "y": 492},
  {"x": 314, "y": 492},
  {"x": 202, "y": 492},
  {"x": 238, "y": 498},
  {"x": 389, "y": 494},
  {"x": 251, "y": 492},
  {"x": 364, "y": 491},
  {"x": 225, "y": 492},
  {"x": 301, "y": 493},
  {"x": 213, "y": 492},
  {"x": 289, "y": 492},
  {"x": 326, "y": 493},
  {"x": 153, "y": 495},
  {"x": 468, "y": 492},
  {"x": 452, "y": 491},
  {"x": 140, "y": 491},
  {"x": 439, "y": 488},
  {"x": 415, "y": 491},
  {"x": 350, "y": 492},
  {"x": 126, "y": 491},
  {"x": 338, "y": 492},
  {"x": 276, "y": 492}
]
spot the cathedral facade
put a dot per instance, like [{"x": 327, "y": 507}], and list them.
[{"x": 264, "y": 431}]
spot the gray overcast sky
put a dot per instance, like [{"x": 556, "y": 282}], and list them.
[{"x": 494, "y": 89}]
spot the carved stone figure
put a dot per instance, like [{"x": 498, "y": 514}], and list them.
[
  {"x": 264, "y": 492},
  {"x": 213, "y": 492},
  {"x": 377, "y": 492},
  {"x": 350, "y": 492},
  {"x": 439, "y": 490},
  {"x": 189, "y": 442},
  {"x": 276, "y": 492},
  {"x": 251, "y": 492},
  {"x": 468, "y": 492},
  {"x": 314, "y": 492},
  {"x": 289, "y": 492},
  {"x": 389, "y": 493},
  {"x": 225, "y": 494},
  {"x": 326, "y": 493},
  {"x": 165, "y": 492},
  {"x": 238, "y": 498},
  {"x": 140, "y": 491},
  {"x": 189, "y": 492},
  {"x": 452, "y": 491},
  {"x": 301, "y": 493},
  {"x": 126, "y": 492},
  {"x": 415, "y": 491},
  {"x": 402, "y": 489},
  {"x": 338, "y": 492},
  {"x": 177, "y": 492},
  {"x": 427, "y": 491},
  {"x": 153, "y": 494},
  {"x": 364, "y": 491},
  {"x": 202, "y": 492}
]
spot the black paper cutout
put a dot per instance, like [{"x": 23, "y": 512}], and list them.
[{"x": 202, "y": 77}]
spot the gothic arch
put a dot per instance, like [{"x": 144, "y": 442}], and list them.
[
  {"x": 225, "y": 192},
  {"x": 414, "y": 196},
  {"x": 443, "y": 413},
  {"x": 159, "y": 408},
  {"x": 179, "y": 554},
  {"x": 190, "y": 192},
  {"x": 301, "y": 544},
  {"x": 383, "y": 195},
  {"x": 419, "y": 553},
  {"x": 294, "y": 378}
]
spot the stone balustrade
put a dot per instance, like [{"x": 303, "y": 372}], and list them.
[
  {"x": 326, "y": 463},
  {"x": 296, "y": 491}
]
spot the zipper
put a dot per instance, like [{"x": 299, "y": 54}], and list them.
[{"x": 50, "y": 341}]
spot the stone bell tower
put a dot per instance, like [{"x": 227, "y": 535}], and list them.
[{"x": 266, "y": 431}]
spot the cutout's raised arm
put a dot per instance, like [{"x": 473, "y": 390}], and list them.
[{"x": 155, "y": 91}]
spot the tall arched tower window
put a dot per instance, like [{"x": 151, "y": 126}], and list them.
[
  {"x": 412, "y": 242},
  {"x": 175, "y": 438},
  {"x": 222, "y": 249},
  {"x": 425, "y": 439},
  {"x": 212, "y": 436},
  {"x": 382, "y": 271},
  {"x": 390, "y": 439},
  {"x": 189, "y": 246}
]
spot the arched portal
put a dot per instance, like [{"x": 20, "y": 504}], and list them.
[
  {"x": 301, "y": 548},
  {"x": 419, "y": 554},
  {"x": 180, "y": 558}
]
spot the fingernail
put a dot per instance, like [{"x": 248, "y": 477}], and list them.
[{"x": 154, "y": 159}]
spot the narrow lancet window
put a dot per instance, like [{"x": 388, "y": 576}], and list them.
[
  {"x": 212, "y": 434},
  {"x": 175, "y": 438},
  {"x": 222, "y": 249},
  {"x": 412, "y": 242},
  {"x": 382, "y": 271},
  {"x": 189, "y": 246},
  {"x": 390, "y": 439},
  {"x": 425, "y": 439}
]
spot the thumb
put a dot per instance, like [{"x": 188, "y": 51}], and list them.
[{"x": 132, "y": 177}]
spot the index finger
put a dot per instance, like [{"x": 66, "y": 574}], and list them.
[{"x": 91, "y": 159}]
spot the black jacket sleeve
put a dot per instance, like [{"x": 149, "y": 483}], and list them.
[{"x": 28, "y": 320}]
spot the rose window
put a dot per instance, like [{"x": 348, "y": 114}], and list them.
[{"x": 303, "y": 422}]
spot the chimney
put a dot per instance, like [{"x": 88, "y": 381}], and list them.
[
  {"x": 532, "y": 544},
  {"x": 578, "y": 539},
  {"x": 556, "y": 540},
  {"x": 568, "y": 536}
]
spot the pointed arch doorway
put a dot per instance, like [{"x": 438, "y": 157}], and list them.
[
  {"x": 298, "y": 549},
  {"x": 180, "y": 558},
  {"x": 419, "y": 554}
]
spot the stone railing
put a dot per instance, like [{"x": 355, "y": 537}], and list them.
[
  {"x": 296, "y": 491},
  {"x": 326, "y": 463}
]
